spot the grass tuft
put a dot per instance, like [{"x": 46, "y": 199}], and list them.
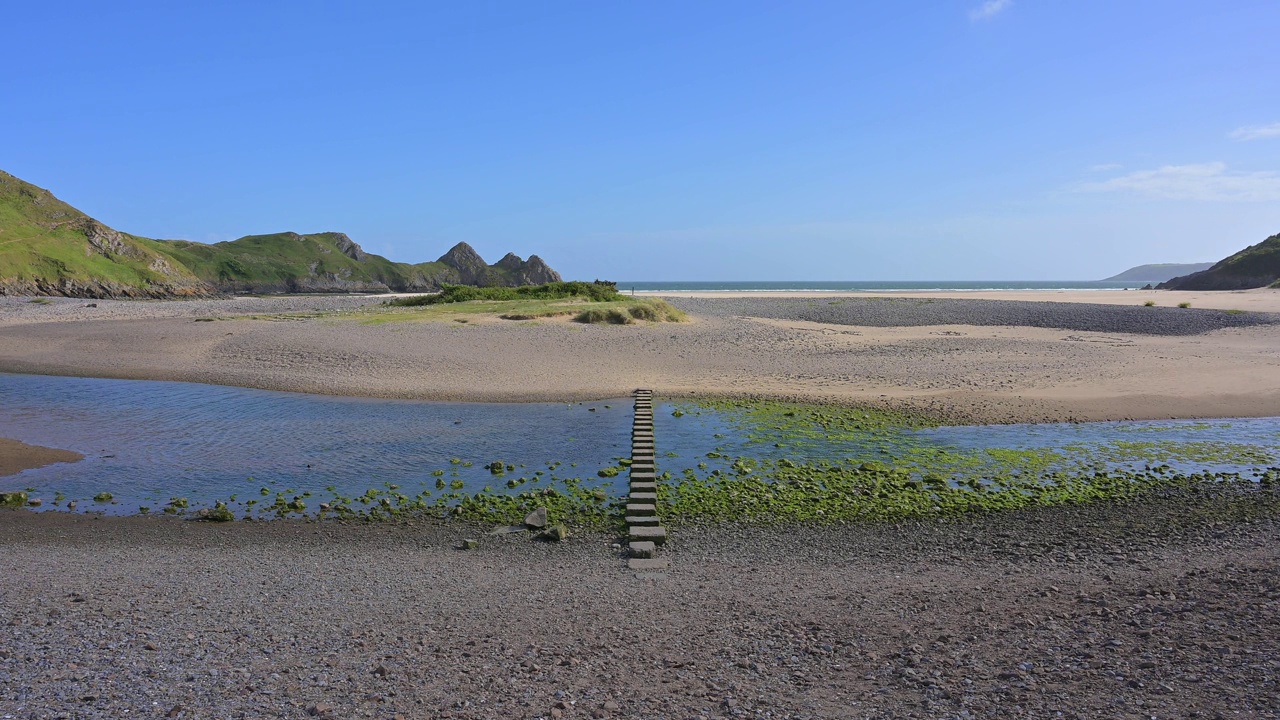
[{"x": 598, "y": 291}]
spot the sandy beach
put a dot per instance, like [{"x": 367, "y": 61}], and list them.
[
  {"x": 969, "y": 359},
  {"x": 1164, "y": 607}
]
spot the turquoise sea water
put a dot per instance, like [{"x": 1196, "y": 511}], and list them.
[{"x": 869, "y": 285}]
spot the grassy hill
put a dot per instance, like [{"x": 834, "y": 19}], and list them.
[
  {"x": 48, "y": 247},
  {"x": 290, "y": 262},
  {"x": 1253, "y": 267}
]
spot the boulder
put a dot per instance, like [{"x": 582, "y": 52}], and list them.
[{"x": 537, "y": 518}]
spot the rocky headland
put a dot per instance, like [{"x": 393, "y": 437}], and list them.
[{"x": 1253, "y": 267}]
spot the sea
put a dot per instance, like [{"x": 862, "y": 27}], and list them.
[{"x": 872, "y": 285}]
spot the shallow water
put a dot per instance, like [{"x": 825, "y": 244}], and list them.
[
  {"x": 146, "y": 442},
  {"x": 1186, "y": 446}
]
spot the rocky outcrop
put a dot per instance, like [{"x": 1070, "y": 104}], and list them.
[
  {"x": 532, "y": 272},
  {"x": 1253, "y": 267},
  {"x": 537, "y": 272},
  {"x": 348, "y": 247},
  {"x": 78, "y": 288},
  {"x": 471, "y": 268}
]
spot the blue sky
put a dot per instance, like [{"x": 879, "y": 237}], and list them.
[{"x": 956, "y": 139}]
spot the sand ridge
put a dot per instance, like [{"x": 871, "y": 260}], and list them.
[{"x": 1197, "y": 364}]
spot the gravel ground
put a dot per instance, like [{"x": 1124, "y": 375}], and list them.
[
  {"x": 1168, "y": 608},
  {"x": 896, "y": 312}
]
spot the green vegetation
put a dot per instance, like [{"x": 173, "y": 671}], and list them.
[
  {"x": 47, "y": 245},
  {"x": 890, "y": 474},
  {"x": 604, "y": 304},
  {"x": 1253, "y": 267},
  {"x": 827, "y": 492},
  {"x": 598, "y": 291},
  {"x": 649, "y": 310},
  {"x": 1149, "y": 303},
  {"x": 103, "y": 497},
  {"x": 14, "y": 499},
  {"x": 291, "y": 262},
  {"x": 1184, "y": 305}
]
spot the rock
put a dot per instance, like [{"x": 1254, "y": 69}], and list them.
[
  {"x": 13, "y": 499},
  {"x": 470, "y": 544},
  {"x": 381, "y": 670},
  {"x": 35, "y": 502},
  {"x": 471, "y": 268},
  {"x": 537, "y": 518},
  {"x": 348, "y": 247},
  {"x": 612, "y": 706},
  {"x": 555, "y": 533},
  {"x": 217, "y": 513},
  {"x": 319, "y": 709}
]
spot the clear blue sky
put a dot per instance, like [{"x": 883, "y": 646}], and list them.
[{"x": 956, "y": 139}]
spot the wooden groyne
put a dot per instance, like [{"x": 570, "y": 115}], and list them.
[{"x": 644, "y": 528}]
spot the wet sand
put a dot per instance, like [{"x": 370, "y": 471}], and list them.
[
  {"x": 17, "y": 456},
  {"x": 1043, "y": 364}
]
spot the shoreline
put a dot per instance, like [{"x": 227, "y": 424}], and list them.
[
  {"x": 16, "y": 456},
  {"x": 970, "y": 360}
]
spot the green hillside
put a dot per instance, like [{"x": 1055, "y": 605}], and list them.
[
  {"x": 290, "y": 262},
  {"x": 1253, "y": 267},
  {"x": 48, "y": 247}
]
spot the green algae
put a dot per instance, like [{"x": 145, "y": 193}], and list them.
[{"x": 892, "y": 473}]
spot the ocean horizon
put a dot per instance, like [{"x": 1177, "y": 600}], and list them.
[{"x": 871, "y": 285}]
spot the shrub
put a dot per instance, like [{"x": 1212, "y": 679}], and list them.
[
  {"x": 1184, "y": 304},
  {"x": 599, "y": 316},
  {"x": 1149, "y": 303},
  {"x": 598, "y": 291}
]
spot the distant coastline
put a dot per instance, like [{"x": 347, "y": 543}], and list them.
[{"x": 845, "y": 286}]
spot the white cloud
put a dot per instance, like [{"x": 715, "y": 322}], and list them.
[
  {"x": 1204, "y": 181},
  {"x": 1256, "y": 132},
  {"x": 989, "y": 9}
]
